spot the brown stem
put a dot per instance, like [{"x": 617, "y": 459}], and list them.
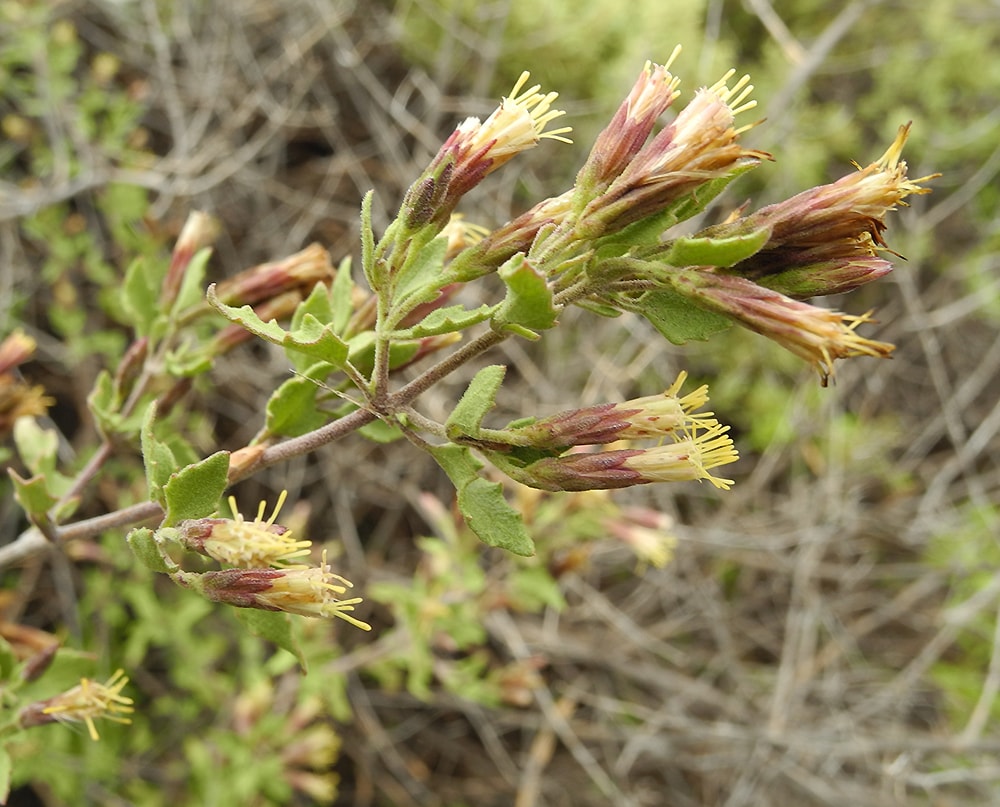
[{"x": 28, "y": 543}]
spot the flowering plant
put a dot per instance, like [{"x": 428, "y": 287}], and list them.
[{"x": 607, "y": 245}]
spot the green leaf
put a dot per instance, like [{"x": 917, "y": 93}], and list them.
[
  {"x": 6, "y": 770},
  {"x": 312, "y": 337},
  {"x": 482, "y": 503},
  {"x": 528, "y": 305},
  {"x": 318, "y": 341},
  {"x": 446, "y": 320},
  {"x": 103, "y": 403},
  {"x": 194, "y": 491},
  {"x": 142, "y": 542},
  {"x": 157, "y": 457},
  {"x": 193, "y": 281},
  {"x": 722, "y": 252},
  {"x": 477, "y": 400},
  {"x": 274, "y": 627},
  {"x": 317, "y": 307},
  {"x": 341, "y": 297},
  {"x": 378, "y": 431},
  {"x": 36, "y": 446},
  {"x": 33, "y": 495},
  {"x": 8, "y": 662},
  {"x": 140, "y": 296},
  {"x": 318, "y": 303},
  {"x": 374, "y": 276},
  {"x": 645, "y": 232},
  {"x": 421, "y": 278},
  {"x": 676, "y": 318},
  {"x": 362, "y": 352},
  {"x": 188, "y": 360},
  {"x": 291, "y": 409},
  {"x": 489, "y": 516}
]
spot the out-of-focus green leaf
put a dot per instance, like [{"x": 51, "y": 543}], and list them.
[
  {"x": 33, "y": 495},
  {"x": 140, "y": 297},
  {"x": 158, "y": 458},
  {"x": 275, "y": 627}
]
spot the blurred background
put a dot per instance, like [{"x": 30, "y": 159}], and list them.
[{"x": 826, "y": 633}]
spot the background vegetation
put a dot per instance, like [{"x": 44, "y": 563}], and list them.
[{"x": 826, "y": 633}]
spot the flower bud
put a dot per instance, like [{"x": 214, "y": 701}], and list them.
[
  {"x": 652, "y": 93},
  {"x": 698, "y": 147},
  {"x": 476, "y": 149},
  {"x": 200, "y": 230},
  {"x": 302, "y": 270},
  {"x": 815, "y": 334},
  {"x": 826, "y": 240},
  {"x": 690, "y": 458},
  {"x": 650, "y": 417},
  {"x": 645, "y": 531}
]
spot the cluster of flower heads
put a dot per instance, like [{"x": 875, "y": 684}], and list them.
[
  {"x": 690, "y": 444},
  {"x": 823, "y": 241},
  {"x": 265, "y": 573}
]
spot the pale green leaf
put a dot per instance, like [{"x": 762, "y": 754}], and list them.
[
  {"x": 478, "y": 399},
  {"x": 528, "y": 305},
  {"x": 194, "y": 491},
  {"x": 722, "y": 252}
]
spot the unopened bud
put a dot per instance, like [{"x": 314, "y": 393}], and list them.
[
  {"x": 302, "y": 270},
  {"x": 199, "y": 231}
]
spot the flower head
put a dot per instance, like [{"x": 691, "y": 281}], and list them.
[
  {"x": 646, "y": 532},
  {"x": 83, "y": 704},
  {"x": 700, "y": 145},
  {"x": 833, "y": 268},
  {"x": 832, "y": 232},
  {"x": 16, "y": 349},
  {"x": 18, "y": 399},
  {"x": 307, "y": 591},
  {"x": 301, "y": 270},
  {"x": 477, "y": 148},
  {"x": 651, "y": 417},
  {"x": 199, "y": 230},
  {"x": 689, "y": 458},
  {"x": 652, "y": 93},
  {"x": 515, "y": 126},
  {"x": 815, "y": 334},
  {"x": 245, "y": 544}
]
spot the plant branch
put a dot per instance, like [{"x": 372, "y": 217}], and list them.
[{"x": 409, "y": 392}]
